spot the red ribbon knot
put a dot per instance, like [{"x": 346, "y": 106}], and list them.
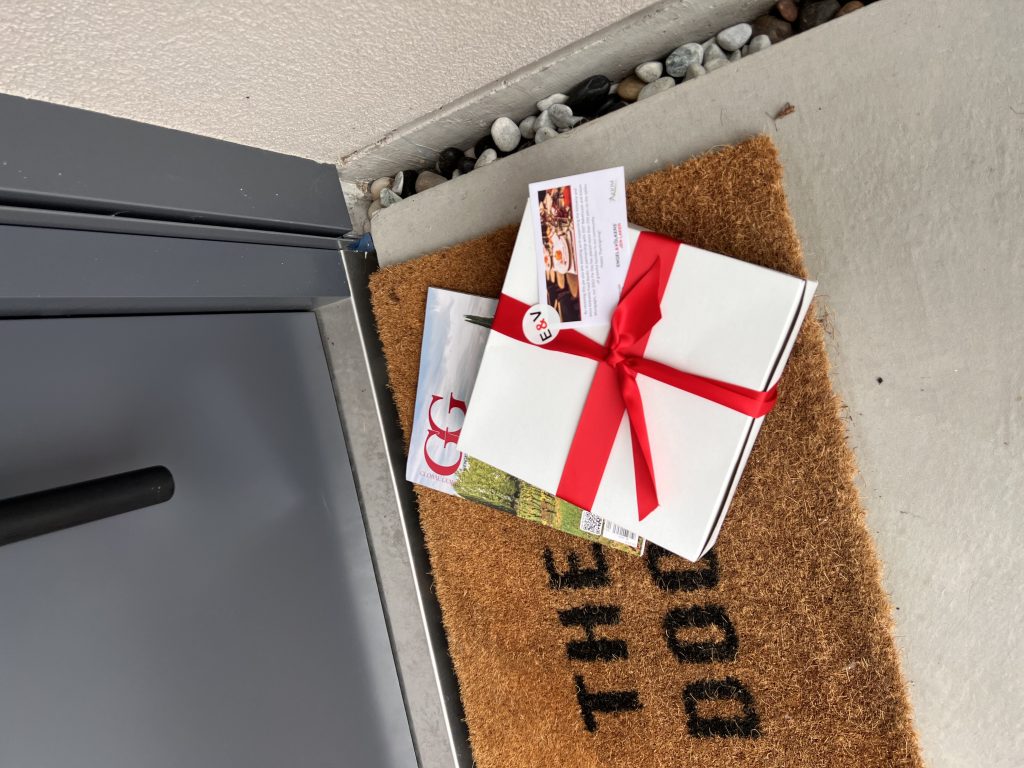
[{"x": 614, "y": 358}]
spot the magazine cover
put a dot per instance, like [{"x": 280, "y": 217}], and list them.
[{"x": 454, "y": 335}]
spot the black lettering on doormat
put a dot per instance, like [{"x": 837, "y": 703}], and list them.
[
  {"x": 577, "y": 577},
  {"x": 700, "y": 575},
  {"x": 593, "y": 648},
  {"x": 604, "y": 701},
  {"x": 743, "y": 725},
  {"x": 700, "y": 617}
]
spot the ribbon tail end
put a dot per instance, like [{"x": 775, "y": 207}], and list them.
[{"x": 644, "y": 511}]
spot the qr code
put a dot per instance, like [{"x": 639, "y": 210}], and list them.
[{"x": 591, "y": 523}]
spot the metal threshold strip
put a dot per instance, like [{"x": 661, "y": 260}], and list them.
[{"x": 358, "y": 267}]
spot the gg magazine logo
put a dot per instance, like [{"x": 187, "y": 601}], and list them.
[{"x": 435, "y": 445}]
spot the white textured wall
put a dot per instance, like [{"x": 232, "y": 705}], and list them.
[{"x": 313, "y": 78}]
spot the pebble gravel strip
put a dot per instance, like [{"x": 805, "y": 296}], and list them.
[{"x": 597, "y": 96}]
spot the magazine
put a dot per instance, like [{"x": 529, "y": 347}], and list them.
[{"x": 454, "y": 335}]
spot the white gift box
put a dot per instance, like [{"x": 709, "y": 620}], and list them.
[{"x": 721, "y": 318}]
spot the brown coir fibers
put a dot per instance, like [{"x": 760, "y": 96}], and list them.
[{"x": 775, "y": 650}]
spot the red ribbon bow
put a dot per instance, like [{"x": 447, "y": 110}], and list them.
[{"x": 614, "y": 390}]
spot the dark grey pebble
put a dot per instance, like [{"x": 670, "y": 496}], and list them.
[
  {"x": 588, "y": 95},
  {"x": 813, "y": 14},
  {"x": 611, "y": 105},
  {"x": 448, "y": 161}
]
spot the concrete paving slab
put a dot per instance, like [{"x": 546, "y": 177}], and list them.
[{"x": 904, "y": 173}]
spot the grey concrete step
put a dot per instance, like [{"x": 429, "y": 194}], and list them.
[{"x": 613, "y": 51}]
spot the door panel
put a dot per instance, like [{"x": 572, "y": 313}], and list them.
[{"x": 239, "y": 623}]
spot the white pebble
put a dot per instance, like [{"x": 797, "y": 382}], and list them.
[
  {"x": 695, "y": 70},
  {"x": 735, "y": 56},
  {"x": 487, "y": 157},
  {"x": 373, "y": 210},
  {"x": 528, "y": 126},
  {"x": 714, "y": 64},
  {"x": 456, "y": 173},
  {"x": 388, "y": 197},
  {"x": 649, "y": 71},
  {"x": 554, "y": 98},
  {"x": 659, "y": 85},
  {"x": 711, "y": 53},
  {"x": 543, "y": 121},
  {"x": 545, "y": 133},
  {"x": 561, "y": 115},
  {"x": 378, "y": 185},
  {"x": 577, "y": 120},
  {"x": 505, "y": 134},
  {"x": 759, "y": 43},
  {"x": 613, "y": 89},
  {"x": 732, "y": 38},
  {"x": 399, "y": 185},
  {"x": 707, "y": 42}
]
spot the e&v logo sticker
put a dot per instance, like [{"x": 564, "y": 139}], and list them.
[{"x": 540, "y": 324}]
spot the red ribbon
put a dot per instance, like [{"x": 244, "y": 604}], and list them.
[{"x": 614, "y": 390}]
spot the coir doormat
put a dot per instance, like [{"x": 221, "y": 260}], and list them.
[{"x": 775, "y": 650}]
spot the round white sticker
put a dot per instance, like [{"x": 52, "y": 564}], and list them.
[{"x": 540, "y": 324}]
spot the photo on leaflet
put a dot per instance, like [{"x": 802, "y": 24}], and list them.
[{"x": 558, "y": 240}]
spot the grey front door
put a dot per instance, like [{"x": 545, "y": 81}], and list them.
[{"x": 239, "y": 623}]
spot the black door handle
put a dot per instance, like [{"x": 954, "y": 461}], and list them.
[{"x": 36, "y": 514}]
